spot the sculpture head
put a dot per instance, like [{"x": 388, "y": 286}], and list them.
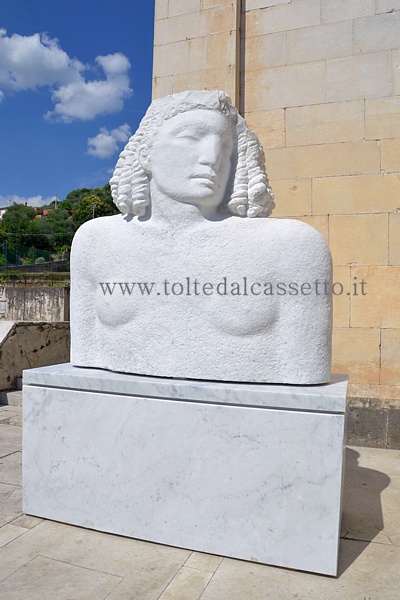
[{"x": 197, "y": 149}]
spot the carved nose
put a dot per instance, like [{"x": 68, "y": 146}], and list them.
[{"x": 210, "y": 154}]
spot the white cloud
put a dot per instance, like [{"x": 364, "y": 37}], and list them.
[
  {"x": 105, "y": 143},
  {"x": 30, "y": 62},
  {"x": 35, "y": 201}
]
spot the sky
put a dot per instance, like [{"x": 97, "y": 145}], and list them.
[{"x": 75, "y": 81}]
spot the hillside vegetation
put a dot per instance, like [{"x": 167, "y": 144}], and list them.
[{"x": 31, "y": 235}]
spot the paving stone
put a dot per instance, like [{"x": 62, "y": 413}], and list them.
[
  {"x": 11, "y": 418},
  {"x": 189, "y": 584},
  {"x": 10, "y": 439},
  {"x": 10, "y": 504},
  {"x": 27, "y": 522},
  {"x": 47, "y": 579},
  {"x": 11, "y": 469},
  {"x": 387, "y": 461},
  {"x": 10, "y": 532},
  {"x": 92, "y": 550},
  {"x": 11, "y": 398},
  {"x": 366, "y": 572},
  {"x": 142, "y": 585},
  {"x": 203, "y": 562},
  {"x": 371, "y": 496}
]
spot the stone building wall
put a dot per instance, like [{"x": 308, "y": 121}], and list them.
[
  {"x": 319, "y": 81},
  {"x": 36, "y": 303}
]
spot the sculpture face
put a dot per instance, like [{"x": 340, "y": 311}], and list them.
[{"x": 190, "y": 159}]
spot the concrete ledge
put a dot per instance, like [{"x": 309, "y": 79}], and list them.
[
  {"x": 373, "y": 422},
  {"x": 11, "y": 398},
  {"x": 26, "y": 345}
]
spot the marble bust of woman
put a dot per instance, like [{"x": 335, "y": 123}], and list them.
[{"x": 191, "y": 280}]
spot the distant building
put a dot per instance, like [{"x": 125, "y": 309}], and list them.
[
  {"x": 42, "y": 213},
  {"x": 3, "y": 211}
]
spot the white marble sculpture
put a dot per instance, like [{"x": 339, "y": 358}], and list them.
[{"x": 186, "y": 282}]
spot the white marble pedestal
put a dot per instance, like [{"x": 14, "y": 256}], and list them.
[{"x": 250, "y": 471}]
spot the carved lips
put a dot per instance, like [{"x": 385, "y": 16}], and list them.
[{"x": 208, "y": 178}]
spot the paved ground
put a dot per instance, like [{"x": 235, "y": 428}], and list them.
[{"x": 43, "y": 560}]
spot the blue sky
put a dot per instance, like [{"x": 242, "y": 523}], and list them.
[{"x": 75, "y": 81}]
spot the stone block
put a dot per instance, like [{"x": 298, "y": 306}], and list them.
[
  {"x": 269, "y": 125},
  {"x": 374, "y": 396},
  {"x": 379, "y": 307},
  {"x": 162, "y": 86},
  {"x": 396, "y": 71},
  {"x": 290, "y": 85},
  {"x": 264, "y": 51},
  {"x": 357, "y": 351},
  {"x": 330, "y": 40},
  {"x": 394, "y": 238},
  {"x": 382, "y": 118},
  {"x": 223, "y": 78},
  {"x": 390, "y": 155},
  {"x": 214, "y": 3},
  {"x": 182, "y": 7},
  {"x": 341, "y": 302},
  {"x": 292, "y": 197},
  {"x": 377, "y": 33},
  {"x": 328, "y": 160},
  {"x": 302, "y": 13},
  {"x": 188, "y": 26},
  {"x": 355, "y": 194},
  {"x": 340, "y": 10},
  {"x": 359, "y": 239},
  {"x": 221, "y": 49},
  {"x": 385, "y": 6},
  {"x": 325, "y": 123},
  {"x": 219, "y": 19},
  {"x": 359, "y": 77},
  {"x": 390, "y": 368},
  {"x": 393, "y": 430},
  {"x": 366, "y": 427},
  {"x": 320, "y": 223},
  {"x": 255, "y": 4},
  {"x": 161, "y": 10},
  {"x": 175, "y": 29},
  {"x": 191, "y": 474},
  {"x": 180, "y": 57}
]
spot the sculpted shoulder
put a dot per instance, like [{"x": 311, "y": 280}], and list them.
[
  {"x": 276, "y": 240},
  {"x": 279, "y": 230},
  {"x": 91, "y": 230},
  {"x": 95, "y": 240}
]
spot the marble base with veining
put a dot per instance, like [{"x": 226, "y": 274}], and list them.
[{"x": 241, "y": 470}]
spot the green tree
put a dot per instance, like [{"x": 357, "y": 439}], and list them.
[
  {"x": 20, "y": 229},
  {"x": 61, "y": 228},
  {"x": 17, "y": 217},
  {"x": 89, "y": 206}
]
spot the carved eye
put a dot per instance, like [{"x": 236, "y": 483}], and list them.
[{"x": 188, "y": 136}]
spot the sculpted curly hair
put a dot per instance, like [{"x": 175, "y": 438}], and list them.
[{"x": 249, "y": 193}]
